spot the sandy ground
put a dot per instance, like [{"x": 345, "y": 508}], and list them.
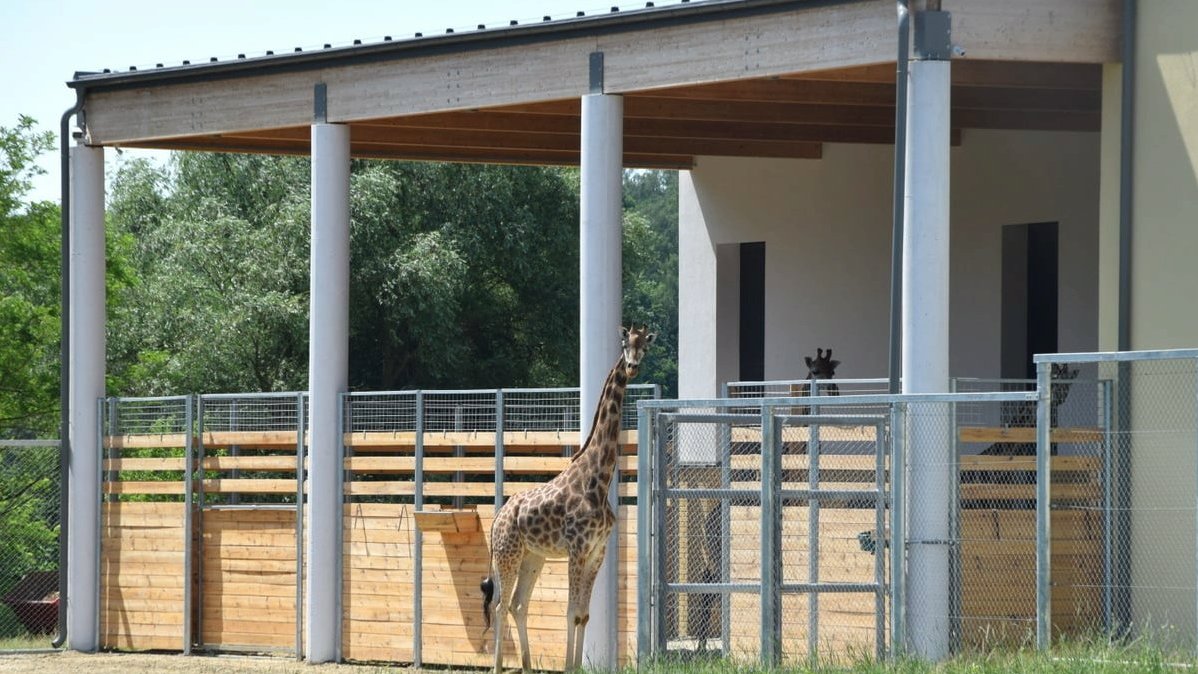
[{"x": 129, "y": 663}]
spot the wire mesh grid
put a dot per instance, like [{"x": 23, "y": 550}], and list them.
[
  {"x": 379, "y": 412},
  {"x": 146, "y": 416},
  {"x": 550, "y": 409},
  {"x": 29, "y": 518},
  {"x": 250, "y": 412},
  {"x": 459, "y": 411}
]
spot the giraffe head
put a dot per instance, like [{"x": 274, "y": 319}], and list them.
[
  {"x": 822, "y": 367},
  {"x": 635, "y": 343}
]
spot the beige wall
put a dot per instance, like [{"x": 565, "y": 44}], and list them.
[
  {"x": 1164, "y": 279},
  {"x": 1165, "y": 202},
  {"x": 826, "y": 224}
]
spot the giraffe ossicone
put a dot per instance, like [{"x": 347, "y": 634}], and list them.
[{"x": 569, "y": 517}]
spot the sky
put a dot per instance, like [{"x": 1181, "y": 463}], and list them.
[{"x": 44, "y": 42}]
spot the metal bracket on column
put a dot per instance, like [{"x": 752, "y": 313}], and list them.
[
  {"x": 933, "y": 35},
  {"x": 596, "y": 72},
  {"x": 320, "y": 110}
]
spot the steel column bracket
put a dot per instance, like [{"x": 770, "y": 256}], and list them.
[
  {"x": 320, "y": 103},
  {"x": 596, "y": 72},
  {"x": 933, "y": 36}
]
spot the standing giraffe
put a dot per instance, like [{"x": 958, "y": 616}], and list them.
[{"x": 569, "y": 516}]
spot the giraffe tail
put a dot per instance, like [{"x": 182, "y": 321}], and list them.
[{"x": 488, "y": 588}]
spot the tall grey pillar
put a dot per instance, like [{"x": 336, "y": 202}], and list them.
[
  {"x": 328, "y": 365},
  {"x": 925, "y": 335},
  {"x": 599, "y": 316},
  {"x": 86, "y": 387}
]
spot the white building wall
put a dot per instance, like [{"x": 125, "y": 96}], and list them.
[{"x": 826, "y": 225}]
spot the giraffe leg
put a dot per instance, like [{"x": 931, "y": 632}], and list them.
[
  {"x": 590, "y": 570},
  {"x": 504, "y": 573},
  {"x": 574, "y": 611},
  {"x": 530, "y": 570}
]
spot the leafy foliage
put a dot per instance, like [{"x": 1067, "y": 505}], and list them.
[
  {"x": 651, "y": 268},
  {"x": 462, "y": 276}
]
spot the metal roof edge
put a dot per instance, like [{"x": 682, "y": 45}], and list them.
[{"x": 486, "y": 38}]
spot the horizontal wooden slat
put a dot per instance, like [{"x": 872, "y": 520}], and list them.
[
  {"x": 144, "y": 487},
  {"x": 1027, "y": 434}
]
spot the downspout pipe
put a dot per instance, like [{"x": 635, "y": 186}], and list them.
[
  {"x": 64, "y": 451},
  {"x": 900, "y": 180},
  {"x": 1122, "y": 476},
  {"x": 1126, "y": 150}
]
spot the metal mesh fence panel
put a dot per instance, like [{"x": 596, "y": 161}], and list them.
[
  {"x": 994, "y": 563},
  {"x": 29, "y": 518},
  {"x": 380, "y": 412},
  {"x": 550, "y": 409},
  {"x": 1124, "y": 522}
]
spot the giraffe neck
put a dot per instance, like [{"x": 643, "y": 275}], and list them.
[{"x": 597, "y": 456}]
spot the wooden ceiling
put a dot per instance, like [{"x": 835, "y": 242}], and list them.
[{"x": 788, "y": 116}]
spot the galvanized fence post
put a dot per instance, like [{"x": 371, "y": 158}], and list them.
[
  {"x": 1108, "y": 616},
  {"x": 188, "y": 504},
  {"x": 770, "y": 514},
  {"x": 659, "y": 520},
  {"x": 644, "y": 536},
  {"x": 725, "y": 458},
  {"x": 1043, "y": 509},
  {"x": 898, "y": 532},
  {"x": 813, "y": 505},
  {"x": 500, "y": 422},
  {"x": 418, "y": 556}
]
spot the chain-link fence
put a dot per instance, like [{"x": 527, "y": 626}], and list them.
[
  {"x": 29, "y": 551},
  {"x": 994, "y": 600},
  {"x": 1124, "y": 516}
]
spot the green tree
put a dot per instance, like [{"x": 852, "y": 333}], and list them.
[
  {"x": 29, "y": 362},
  {"x": 29, "y": 289},
  {"x": 651, "y": 268},
  {"x": 221, "y": 249},
  {"x": 461, "y": 275}
]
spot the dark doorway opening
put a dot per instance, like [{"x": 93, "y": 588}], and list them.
[
  {"x": 752, "y": 311},
  {"x": 1029, "y": 296}
]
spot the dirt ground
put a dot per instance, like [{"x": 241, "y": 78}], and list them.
[{"x": 129, "y": 663}]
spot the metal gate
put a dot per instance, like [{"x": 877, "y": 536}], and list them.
[{"x": 768, "y": 530}]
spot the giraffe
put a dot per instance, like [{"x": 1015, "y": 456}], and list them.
[
  {"x": 820, "y": 367},
  {"x": 569, "y": 516}
]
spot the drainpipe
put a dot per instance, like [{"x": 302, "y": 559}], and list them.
[
  {"x": 64, "y": 451},
  {"x": 900, "y": 181},
  {"x": 1126, "y": 147},
  {"x": 1122, "y": 473}
]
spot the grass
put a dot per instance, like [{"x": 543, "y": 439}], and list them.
[
  {"x": 1066, "y": 658},
  {"x": 26, "y": 642}
]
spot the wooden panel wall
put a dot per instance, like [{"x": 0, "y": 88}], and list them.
[
  {"x": 377, "y": 599},
  {"x": 454, "y": 564},
  {"x": 248, "y": 579},
  {"x": 141, "y": 576}
]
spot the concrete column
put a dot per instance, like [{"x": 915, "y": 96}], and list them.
[
  {"x": 599, "y": 317},
  {"x": 925, "y": 353},
  {"x": 86, "y": 386},
  {"x": 328, "y": 365}
]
